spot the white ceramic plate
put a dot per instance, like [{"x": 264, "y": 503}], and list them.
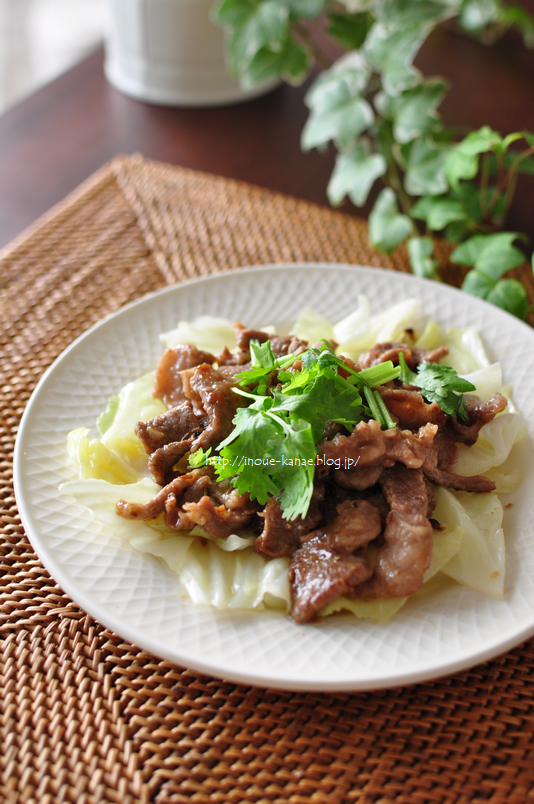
[{"x": 138, "y": 598}]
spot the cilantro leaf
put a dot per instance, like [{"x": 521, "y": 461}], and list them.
[
  {"x": 320, "y": 401},
  {"x": 439, "y": 384},
  {"x": 295, "y": 472},
  {"x": 245, "y": 454}
]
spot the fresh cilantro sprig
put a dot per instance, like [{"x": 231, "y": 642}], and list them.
[
  {"x": 272, "y": 449},
  {"x": 439, "y": 384}
]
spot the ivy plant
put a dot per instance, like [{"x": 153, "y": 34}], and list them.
[{"x": 381, "y": 115}]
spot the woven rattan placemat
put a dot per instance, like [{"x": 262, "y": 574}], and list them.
[{"x": 87, "y": 718}]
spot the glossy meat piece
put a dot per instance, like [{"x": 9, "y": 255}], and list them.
[
  {"x": 175, "y": 424},
  {"x": 409, "y": 408},
  {"x": 325, "y": 566},
  {"x": 167, "y": 380},
  {"x": 407, "y": 549},
  {"x": 319, "y": 574},
  {"x": 381, "y": 352},
  {"x": 372, "y": 446},
  {"x": 281, "y": 537},
  {"x": 480, "y": 413},
  {"x": 156, "y": 505}
]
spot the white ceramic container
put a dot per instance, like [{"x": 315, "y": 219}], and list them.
[{"x": 170, "y": 52}]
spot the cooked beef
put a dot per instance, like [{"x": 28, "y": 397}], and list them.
[
  {"x": 447, "y": 449},
  {"x": 196, "y": 499},
  {"x": 213, "y": 391},
  {"x": 356, "y": 524},
  {"x": 409, "y": 408},
  {"x": 358, "y": 478},
  {"x": 372, "y": 446},
  {"x": 381, "y": 352},
  {"x": 215, "y": 518},
  {"x": 156, "y": 505},
  {"x": 324, "y": 567},
  {"x": 280, "y": 344},
  {"x": 281, "y": 537},
  {"x": 162, "y": 462},
  {"x": 203, "y": 419},
  {"x": 407, "y": 548},
  {"x": 228, "y": 358},
  {"x": 174, "y": 425},
  {"x": 449, "y": 480},
  {"x": 319, "y": 574},
  {"x": 480, "y": 413},
  {"x": 167, "y": 380}
]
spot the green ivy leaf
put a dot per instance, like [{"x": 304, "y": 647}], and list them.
[
  {"x": 234, "y": 13},
  {"x": 477, "y": 284},
  {"x": 350, "y": 69},
  {"x": 462, "y": 161},
  {"x": 425, "y": 169},
  {"x": 344, "y": 120},
  {"x": 387, "y": 227},
  {"x": 402, "y": 14},
  {"x": 291, "y": 63},
  {"x": 266, "y": 27},
  {"x": 510, "y": 295},
  {"x": 391, "y": 52},
  {"x": 349, "y": 30},
  {"x": 420, "y": 250},
  {"x": 354, "y": 174},
  {"x": 415, "y": 112},
  {"x": 492, "y": 255},
  {"x": 438, "y": 211}
]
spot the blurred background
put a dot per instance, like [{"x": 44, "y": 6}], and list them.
[{"x": 39, "y": 39}]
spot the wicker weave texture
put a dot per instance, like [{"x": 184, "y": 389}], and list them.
[{"x": 88, "y": 719}]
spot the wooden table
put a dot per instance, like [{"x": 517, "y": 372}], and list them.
[{"x": 53, "y": 140}]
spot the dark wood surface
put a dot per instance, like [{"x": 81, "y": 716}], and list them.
[{"x": 55, "y": 139}]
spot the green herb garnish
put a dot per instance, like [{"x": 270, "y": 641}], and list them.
[
  {"x": 273, "y": 447},
  {"x": 439, "y": 384}
]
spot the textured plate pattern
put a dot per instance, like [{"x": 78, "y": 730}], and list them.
[{"x": 138, "y": 598}]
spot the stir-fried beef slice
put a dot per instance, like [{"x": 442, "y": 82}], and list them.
[
  {"x": 230, "y": 370},
  {"x": 156, "y": 505},
  {"x": 280, "y": 344},
  {"x": 214, "y": 392},
  {"x": 233, "y": 359},
  {"x": 407, "y": 550},
  {"x": 281, "y": 537},
  {"x": 372, "y": 446},
  {"x": 447, "y": 449},
  {"x": 357, "y": 523},
  {"x": 480, "y": 413},
  {"x": 319, "y": 574},
  {"x": 217, "y": 520},
  {"x": 449, "y": 480},
  {"x": 410, "y": 409},
  {"x": 168, "y": 380},
  {"x": 358, "y": 478},
  {"x": 287, "y": 345},
  {"x": 175, "y": 424},
  {"x": 381, "y": 352},
  {"x": 162, "y": 462},
  {"x": 324, "y": 567},
  {"x": 244, "y": 335}
]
